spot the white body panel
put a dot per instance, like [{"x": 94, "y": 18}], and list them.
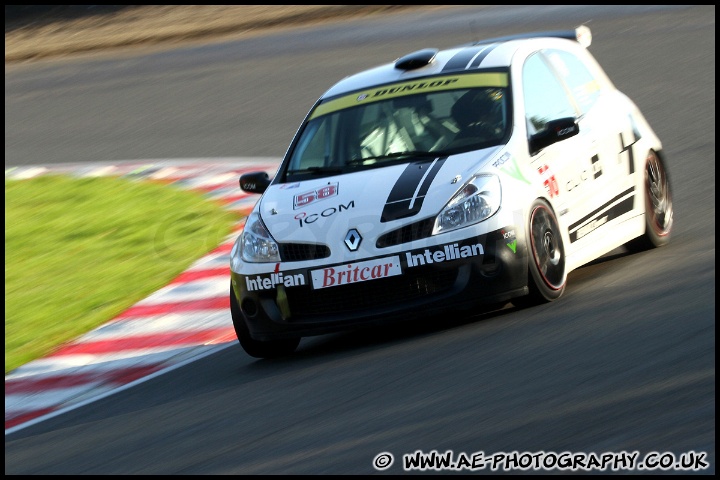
[{"x": 384, "y": 208}]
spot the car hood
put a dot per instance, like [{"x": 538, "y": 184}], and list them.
[{"x": 374, "y": 201}]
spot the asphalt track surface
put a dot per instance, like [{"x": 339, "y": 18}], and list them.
[{"x": 623, "y": 363}]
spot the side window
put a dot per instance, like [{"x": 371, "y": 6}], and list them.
[
  {"x": 545, "y": 97},
  {"x": 585, "y": 89}
]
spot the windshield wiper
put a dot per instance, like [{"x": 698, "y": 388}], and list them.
[
  {"x": 316, "y": 170},
  {"x": 407, "y": 153}
]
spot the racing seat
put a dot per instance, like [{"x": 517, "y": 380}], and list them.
[{"x": 478, "y": 116}]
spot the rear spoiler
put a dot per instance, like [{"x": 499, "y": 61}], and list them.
[{"x": 581, "y": 34}]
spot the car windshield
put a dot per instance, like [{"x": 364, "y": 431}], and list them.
[{"x": 368, "y": 134}]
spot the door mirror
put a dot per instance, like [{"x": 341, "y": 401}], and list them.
[
  {"x": 254, "y": 182},
  {"x": 554, "y": 131}
]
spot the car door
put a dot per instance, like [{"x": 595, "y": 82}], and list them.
[
  {"x": 605, "y": 181},
  {"x": 564, "y": 165}
]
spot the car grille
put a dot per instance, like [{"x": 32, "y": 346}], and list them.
[
  {"x": 371, "y": 294},
  {"x": 296, "y": 252},
  {"x": 408, "y": 233}
]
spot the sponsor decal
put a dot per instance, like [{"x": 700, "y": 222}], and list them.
[
  {"x": 500, "y": 161},
  {"x": 512, "y": 169},
  {"x": 446, "y": 253},
  {"x": 561, "y": 132},
  {"x": 286, "y": 186},
  {"x": 549, "y": 182},
  {"x": 575, "y": 182},
  {"x": 356, "y": 272},
  {"x": 585, "y": 229},
  {"x": 450, "y": 82},
  {"x": 585, "y": 175},
  {"x": 629, "y": 149},
  {"x": 634, "y": 138},
  {"x": 510, "y": 239},
  {"x": 304, "y": 199},
  {"x": 408, "y": 87},
  {"x": 596, "y": 166},
  {"x": 304, "y": 219},
  {"x": 260, "y": 282}
]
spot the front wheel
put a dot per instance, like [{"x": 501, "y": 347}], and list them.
[
  {"x": 546, "y": 262},
  {"x": 658, "y": 207},
  {"x": 258, "y": 348}
]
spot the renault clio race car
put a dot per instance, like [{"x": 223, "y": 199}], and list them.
[{"x": 443, "y": 181}]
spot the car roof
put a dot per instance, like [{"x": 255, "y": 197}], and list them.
[{"x": 489, "y": 53}]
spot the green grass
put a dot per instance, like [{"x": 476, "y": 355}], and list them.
[{"x": 79, "y": 251}]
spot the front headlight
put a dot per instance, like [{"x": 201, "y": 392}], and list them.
[
  {"x": 478, "y": 200},
  {"x": 255, "y": 244}
]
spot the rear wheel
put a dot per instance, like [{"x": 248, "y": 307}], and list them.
[
  {"x": 658, "y": 207},
  {"x": 258, "y": 348},
  {"x": 546, "y": 262}
]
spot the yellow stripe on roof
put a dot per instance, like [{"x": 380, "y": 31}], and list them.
[{"x": 432, "y": 84}]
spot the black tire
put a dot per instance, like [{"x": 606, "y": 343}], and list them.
[
  {"x": 546, "y": 257},
  {"x": 258, "y": 348},
  {"x": 658, "y": 207}
]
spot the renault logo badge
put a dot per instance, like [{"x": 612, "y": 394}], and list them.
[{"x": 353, "y": 239}]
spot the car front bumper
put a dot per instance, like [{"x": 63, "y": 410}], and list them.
[{"x": 419, "y": 283}]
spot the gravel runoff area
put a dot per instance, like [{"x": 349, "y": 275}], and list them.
[{"x": 35, "y": 32}]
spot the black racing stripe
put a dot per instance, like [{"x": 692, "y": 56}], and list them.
[
  {"x": 462, "y": 58},
  {"x": 477, "y": 54},
  {"x": 600, "y": 209},
  {"x": 478, "y": 60},
  {"x": 407, "y": 183},
  {"x": 611, "y": 214},
  {"x": 398, "y": 204}
]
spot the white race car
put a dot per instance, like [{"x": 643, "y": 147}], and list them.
[{"x": 443, "y": 181}]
